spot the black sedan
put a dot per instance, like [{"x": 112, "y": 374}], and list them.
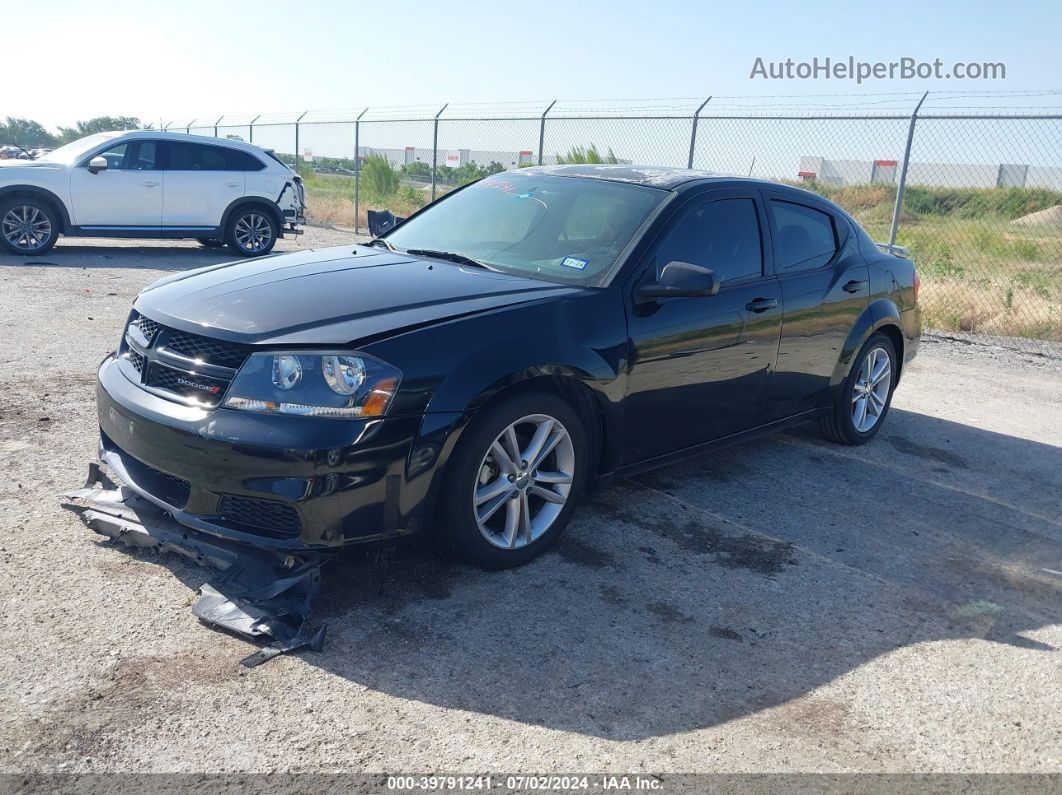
[{"x": 476, "y": 370}]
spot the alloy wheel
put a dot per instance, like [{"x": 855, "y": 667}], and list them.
[
  {"x": 253, "y": 232},
  {"x": 870, "y": 392},
  {"x": 26, "y": 228},
  {"x": 524, "y": 481}
]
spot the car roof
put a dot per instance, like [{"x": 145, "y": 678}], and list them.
[
  {"x": 664, "y": 177},
  {"x": 672, "y": 177},
  {"x": 165, "y": 135}
]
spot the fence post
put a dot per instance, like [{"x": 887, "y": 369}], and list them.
[
  {"x": 216, "y": 125},
  {"x": 357, "y": 169},
  {"x": 542, "y": 130},
  {"x": 435, "y": 148},
  {"x": 188, "y": 127},
  {"x": 297, "y": 140},
  {"x": 903, "y": 172},
  {"x": 250, "y": 128},
  {"x": 693, "y": 134}
]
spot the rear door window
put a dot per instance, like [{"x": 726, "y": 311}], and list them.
[{"x": 807, "y": 238}]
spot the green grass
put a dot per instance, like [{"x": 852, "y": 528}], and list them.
[
  {"x": 980, "y": 273},
  {"x": 330, "y": 199}
]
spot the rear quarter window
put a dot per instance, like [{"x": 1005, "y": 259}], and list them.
[
  {"x": 236, "y": 160},
  {"x": 807, "y": 238}
]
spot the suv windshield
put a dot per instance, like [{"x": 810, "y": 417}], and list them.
[{"x": 560, "y": 229}]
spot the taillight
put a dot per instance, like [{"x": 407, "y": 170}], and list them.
[{"x": 917, "y": 285}]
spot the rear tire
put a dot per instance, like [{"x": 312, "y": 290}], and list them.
[
  {"x": 499, "y": 509},
  {"x": 210, "y": 242},
  {"x": 28, "y": 226},
  {"x": 865, "y": 396},
  {"x": 252, "y": 231}
]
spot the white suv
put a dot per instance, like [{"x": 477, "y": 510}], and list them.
[{"x": 150, "y": 184}]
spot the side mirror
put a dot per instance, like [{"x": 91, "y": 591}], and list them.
[
  {"x": 97, "y": 164},
  {"x": 680, "y": 279}
]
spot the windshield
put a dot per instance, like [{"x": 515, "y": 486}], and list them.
[
  {"x": 73, "y": 150},
  {"x": 560, "y": 229}
]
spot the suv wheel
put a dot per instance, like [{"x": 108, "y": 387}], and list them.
[
  {"x": 27, "y": 226},
  {"x": 514, "y": 481},
  {"x": 865, "y": 396},
  {"x": 252, "y": 232}
]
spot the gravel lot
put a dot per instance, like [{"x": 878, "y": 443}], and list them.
[{"x": 787, "y": 605}]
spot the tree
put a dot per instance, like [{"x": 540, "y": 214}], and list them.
[
  {"x": 25, "y": 133},
  {"x": 578, "y": 154},
  {"x": 462, "y": 175},
  {"x": 379, "y": 177},
  {"x": 98, "y": 125},
  {"x": 418, "y": 168}
]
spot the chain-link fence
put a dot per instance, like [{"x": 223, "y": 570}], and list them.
[{"x": 980, "y": 186}]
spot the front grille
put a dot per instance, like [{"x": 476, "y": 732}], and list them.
[
  {"x": 137, "y": 360},
  {"x": 211, "y": 351},
  {"x": 200, "y": 388},
  {"x": 263, "y": 516},
  {"x": 164, "y": 378},
  {"x": 162, "y": 363},
  {"x": 147, "y": 326}
]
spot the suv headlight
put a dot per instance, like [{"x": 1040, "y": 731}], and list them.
[{"x": 324, "y": 384}]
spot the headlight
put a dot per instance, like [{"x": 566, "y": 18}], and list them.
[{"x": 327, "y": 384}]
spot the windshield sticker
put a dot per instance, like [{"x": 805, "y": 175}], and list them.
[
  {"x": 504, "y": 187},
  {"x": 573, "y": 262}
]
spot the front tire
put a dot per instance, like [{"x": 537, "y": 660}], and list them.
[
  {"x": 514, "y": 480},
  {"x": 251, "y": 232},
  {"x": 28, "y": 226},
  {"x": 865, "y": 396}
]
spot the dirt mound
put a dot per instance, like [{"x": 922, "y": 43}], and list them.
[{"x": 1052, "y": 216}]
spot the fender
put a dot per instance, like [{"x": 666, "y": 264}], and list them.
[
  {"x": 474, "y": 358},
  {"x": 878, "y": 314},
  {"x": 278, "y": 216},
  {"x": 441, "y": 432},
  {"x": 579, "y": 334},
  {"x": 425, "y": 468},
  {"x": 41, "y": 193},
  {"x": 591, "y": 380},
  {"x": 540, "y": 344}
]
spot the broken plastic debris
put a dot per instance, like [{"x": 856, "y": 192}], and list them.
[{"x": 258, "y": 593}]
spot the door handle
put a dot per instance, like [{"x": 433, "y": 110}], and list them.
[
  {"x": 854, "y": 286},
  {"x": 150, "y": 184},
  {"x": 761, "y": 304},
  {"x": 232, "y": 184}
]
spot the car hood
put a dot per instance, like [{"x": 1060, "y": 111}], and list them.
[{"x": 331, "y": 296}]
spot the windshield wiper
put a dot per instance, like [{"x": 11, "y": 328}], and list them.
[
  {"x": 376, "y": 240},
  {"x": 450, "y": 256}
]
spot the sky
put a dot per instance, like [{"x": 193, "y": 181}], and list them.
[{"x": 179, "y": 60}]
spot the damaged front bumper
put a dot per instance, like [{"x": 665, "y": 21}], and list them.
[{"x": 258, "y": 593}]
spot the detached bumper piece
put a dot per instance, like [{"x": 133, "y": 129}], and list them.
[{"x": 257, "y": 593}]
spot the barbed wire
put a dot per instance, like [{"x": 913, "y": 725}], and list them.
[{"x": 648, "y": 106}]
